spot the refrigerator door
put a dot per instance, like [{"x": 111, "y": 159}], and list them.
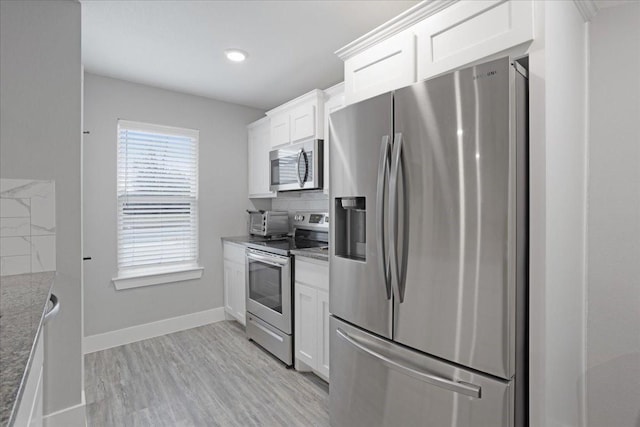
[
  {"x": 456, "y": 218},
  {"x": 360, "y": 138},
  {"x": 375, "y": 382}
]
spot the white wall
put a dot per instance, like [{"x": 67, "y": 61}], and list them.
[
  {"x": 223, "y": 198},
  {"x": 613, "y": 333},
  {"x": 40, "y": 139},
  {"x": 558, "y": 64}
]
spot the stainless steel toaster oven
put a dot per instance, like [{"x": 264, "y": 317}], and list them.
[{"x": 268, "y": 223}]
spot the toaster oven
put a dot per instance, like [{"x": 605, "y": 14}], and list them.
[{"x": 268, "y": 223}]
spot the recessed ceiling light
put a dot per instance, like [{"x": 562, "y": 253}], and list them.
[{"x": 235, "y": 55}]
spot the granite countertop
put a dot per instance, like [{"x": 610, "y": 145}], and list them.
[
  {"x": 321, "y": 254},
  {"x": 24, "y": 298},
  {"x": 244, "y": 239}
]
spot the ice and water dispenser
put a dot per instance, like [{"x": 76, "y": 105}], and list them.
[{"x": 350, "y": 228}]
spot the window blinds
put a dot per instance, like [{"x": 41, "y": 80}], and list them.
[{"x": 157, "y": 196}]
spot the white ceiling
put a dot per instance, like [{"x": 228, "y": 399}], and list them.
[{"x": 179, "y": 45}]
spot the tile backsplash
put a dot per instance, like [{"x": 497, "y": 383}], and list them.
[
  {"x": 293, "y": 202},
  {"x": 27, "y": 226}
]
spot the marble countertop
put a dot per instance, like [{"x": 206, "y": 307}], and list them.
[{"x": 24, "y": 298}]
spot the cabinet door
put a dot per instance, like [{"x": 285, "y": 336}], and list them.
[
  {"x": 303, "y": 122},
  {"x": 252, "y": 157},
  {"x": 389, "y": 65},
  {"x": 240, "y": 293},
  {"x": 280, "y": 130},
  {"x": 234, "y": 252},
  {"x": 469, "y": 31},
  {"x": 306, "y": 324},
  {"x": 333, "y": 104},
  {"x": 29, "y": 411},
  {"x": 323, "y": 334},
  {"x": 37, "y": 412},
  {"x": 229, "y": 288},
  {"x": 263, "y": 165},
  {"x": 258, "y": 153}
]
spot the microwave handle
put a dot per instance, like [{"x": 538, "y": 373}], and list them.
[{"x": 302, "y": 180}]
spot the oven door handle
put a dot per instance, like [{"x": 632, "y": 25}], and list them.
[{"x": 268, "y": 259}]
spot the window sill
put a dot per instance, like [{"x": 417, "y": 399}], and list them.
[{"x": 139, "y": 278}]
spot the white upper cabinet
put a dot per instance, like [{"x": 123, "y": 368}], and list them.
[
  {"x": 280, "y": 126},
  {"x": 303, "y": 122},
  {"x": 388, "y": 65},
  {"x": 432, "y": 38},
  {"x": 298, "y": 120},
  {"x": 334, "y": 100},
  {"x": 258, "y": 158},
  {"x": 470, "y": 31}
]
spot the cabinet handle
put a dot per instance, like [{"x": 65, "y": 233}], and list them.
[{"x": 54, "y": 310}]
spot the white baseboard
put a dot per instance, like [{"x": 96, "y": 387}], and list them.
[
  {"x": 73, "y": 416},
  {"x": 98, "y": 342}
]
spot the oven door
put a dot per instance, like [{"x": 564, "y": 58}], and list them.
[
  {"x": 257, "y": 223},
  {"x": 269, "y": 288},
  {"x": 296, "y": 167}
]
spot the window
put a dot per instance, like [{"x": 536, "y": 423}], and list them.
[{"x": 157, "y": 204}]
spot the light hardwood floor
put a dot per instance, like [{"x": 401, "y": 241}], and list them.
[{"x": 207, "y": 376}]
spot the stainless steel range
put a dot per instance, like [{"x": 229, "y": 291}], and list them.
[{"x": 270, "y": 279}]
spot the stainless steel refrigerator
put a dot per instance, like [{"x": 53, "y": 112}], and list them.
[{"x": 428, "y": 272}]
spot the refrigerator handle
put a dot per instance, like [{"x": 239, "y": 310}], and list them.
[
  {"x": 383, "y": 180},
  {"x": 396, "y": 159},
  {"x": 460, "y": 387}
]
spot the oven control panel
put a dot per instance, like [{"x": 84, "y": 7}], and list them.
[{"x": 311, "y": 220}]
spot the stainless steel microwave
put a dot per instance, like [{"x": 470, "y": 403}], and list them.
[{"x": 297, "y": 167}]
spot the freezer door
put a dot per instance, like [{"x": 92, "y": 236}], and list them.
[
  {"x": 375, "y": 382},
  {"x": 456, "y": 237},
  {"x": 360, "y": 138}
]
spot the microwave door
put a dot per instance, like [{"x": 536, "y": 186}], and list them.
[
  {"x": 284, "y": 170},
  {"x": 296, "y": 167}
]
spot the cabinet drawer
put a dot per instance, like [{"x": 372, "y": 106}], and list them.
[
  {"x": 386, "y": 66},
  {"x": 313, "y": 274},
  {"x": 234, "y": 252},
  {"x": 469, "y": 31}
]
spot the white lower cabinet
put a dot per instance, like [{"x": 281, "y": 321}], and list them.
[
  {"x": 322, "y": 353},
  {"x": 311, "y": 306},
  {"x": 306, "y": 301},
  {"x": 234, "y": 282},
  {"x": 30, "y": 411}
]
